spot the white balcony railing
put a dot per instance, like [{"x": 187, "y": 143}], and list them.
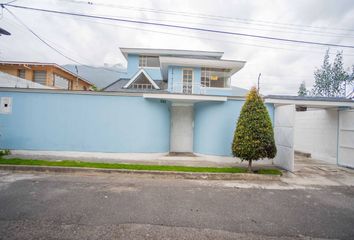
[{"x": 188, "y": 88}]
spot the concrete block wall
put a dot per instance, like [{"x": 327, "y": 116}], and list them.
[
  {"x": 66, "y": 121},
  {"x": 316, "y": 133},
  {"x": 214, "y": 126}
]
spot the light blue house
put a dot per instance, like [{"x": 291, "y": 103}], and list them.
[
  {"x": 178, "y": 71},
  {"x": 192, "y": 82},
  {"x": 167, "y": 101}
]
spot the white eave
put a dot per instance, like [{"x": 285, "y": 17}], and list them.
[
  {"x": 141, "y": 71},
  {"x": 184, "y": 98},
  {"x": 235, "y": 66},
  {"x": 170, "y": 52}
]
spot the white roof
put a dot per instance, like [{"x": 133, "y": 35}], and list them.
[
  {"x": 235, "y": 66},
  {"x": 311, "y": 102},
  {"x": 7, "y": 80},
  {"x": 171, "y": 52}
]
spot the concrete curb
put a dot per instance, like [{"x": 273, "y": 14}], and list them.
[{"x": 178, "y": 175}]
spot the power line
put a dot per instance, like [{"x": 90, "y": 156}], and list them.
[
  {"x": 207, "y": 16},
  {"x": 53, "y": 48},
  {"x": 207, "y": 38},
  {"x": 181, "y": 27},
  {"x": 321, "y": 33}
]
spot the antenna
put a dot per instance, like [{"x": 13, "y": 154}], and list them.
[{"x": 259, "y": 77}]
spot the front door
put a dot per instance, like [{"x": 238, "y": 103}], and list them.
[
  {"x": 181, "y": 129},
  {"x": 187, "y": 81}
]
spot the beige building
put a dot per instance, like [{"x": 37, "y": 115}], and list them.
[{"x": 48, "y": 74}]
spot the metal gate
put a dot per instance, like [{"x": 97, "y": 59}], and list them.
[
  {"x": 284, "y": 121},
  {"x": 346, "y": 138}
]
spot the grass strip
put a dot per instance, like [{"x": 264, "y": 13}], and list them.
[{"x": 70, "y": 163}]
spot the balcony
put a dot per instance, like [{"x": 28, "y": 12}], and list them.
[{"x": 188, "y": 88}]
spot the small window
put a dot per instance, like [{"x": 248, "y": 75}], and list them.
[
  {"x": 61, "y": 82},
  {"x": 149, "y": 61},
  {"x": 21, "y": 73},
  {"x": 40, "y": 77}
]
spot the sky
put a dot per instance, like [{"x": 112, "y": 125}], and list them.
[{"x": 283, "y": 66}]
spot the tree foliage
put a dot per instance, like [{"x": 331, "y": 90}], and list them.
[
  {"x": 302, "y": 90},
  {"x": 254, "y": 136},
  {"x": 331, "y": 79}
]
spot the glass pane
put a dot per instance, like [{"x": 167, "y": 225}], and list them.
[{"x": 153, "y": 62}]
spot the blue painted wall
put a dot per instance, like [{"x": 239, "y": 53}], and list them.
[
  {"x": 218, "y": 91},
  {"x": 73, "y": 122},
  {"x": 175, "y": 79},
  {"x": 214, "y": 126}
]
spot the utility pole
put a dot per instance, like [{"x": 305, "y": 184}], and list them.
[
  {"x": 77, "y": 77},
  {"x": 259, "y": 77}
]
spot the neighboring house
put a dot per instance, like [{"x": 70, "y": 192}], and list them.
[
  {"x": 48, "y": 74},
  {"x": 9, "y": 81},
  {"x": 177, "y": 71}
]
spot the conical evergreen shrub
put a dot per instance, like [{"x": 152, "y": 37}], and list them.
[{"x": 254, "y": 136}]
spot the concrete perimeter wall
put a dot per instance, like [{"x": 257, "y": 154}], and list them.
[
  {"x": 316, "y": 133},
  {"x": 85, "y": 122},
  {"x": 214, "y": 126}
]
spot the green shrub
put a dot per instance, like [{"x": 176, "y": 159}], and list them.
[
  {"x": 254, "y": 136},
  {"x": 4, "y": 152}
]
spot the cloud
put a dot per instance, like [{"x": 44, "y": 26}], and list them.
[{"x": 283, "y": 65}]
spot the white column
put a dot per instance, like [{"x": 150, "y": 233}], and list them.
[{"x": 284, "y": 121}]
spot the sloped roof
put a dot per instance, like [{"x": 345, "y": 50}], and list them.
[
  {"x": 10, "y": 81},
  {"x": 118, "y": 86},
  {"x": 44, "y": 64}
]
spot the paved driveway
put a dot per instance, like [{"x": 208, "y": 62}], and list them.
[
  {"x": 309, "y": 171},
  {"x": 111, "y": 206}
]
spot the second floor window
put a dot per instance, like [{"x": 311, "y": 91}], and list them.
[
  {"x": 149, "y": 61},
  {"x": 215, "y": 77}
]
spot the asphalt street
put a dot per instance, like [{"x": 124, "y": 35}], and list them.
[{"x": 117, "y": 206}]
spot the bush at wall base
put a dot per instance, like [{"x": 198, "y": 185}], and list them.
[{"x": 254, "y": 136}]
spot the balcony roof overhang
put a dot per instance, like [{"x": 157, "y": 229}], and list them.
[
  {"x": 184, "y": 98},
  {"x": 310, "y": 102},
  {"x": 171, "y": 52},
  {"x": 165, "y": 62}
]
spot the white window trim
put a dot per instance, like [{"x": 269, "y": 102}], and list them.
[
  {"x": 136, "y": 76},
  {"x": 192, "y": 69},
  {"x": 145, "y": 57}
]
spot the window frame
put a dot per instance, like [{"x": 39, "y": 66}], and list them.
[
  {"x": 144, "y": 59},
  {"x": 19, "y": 71},
  {"x": 207, "y": 73}
]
